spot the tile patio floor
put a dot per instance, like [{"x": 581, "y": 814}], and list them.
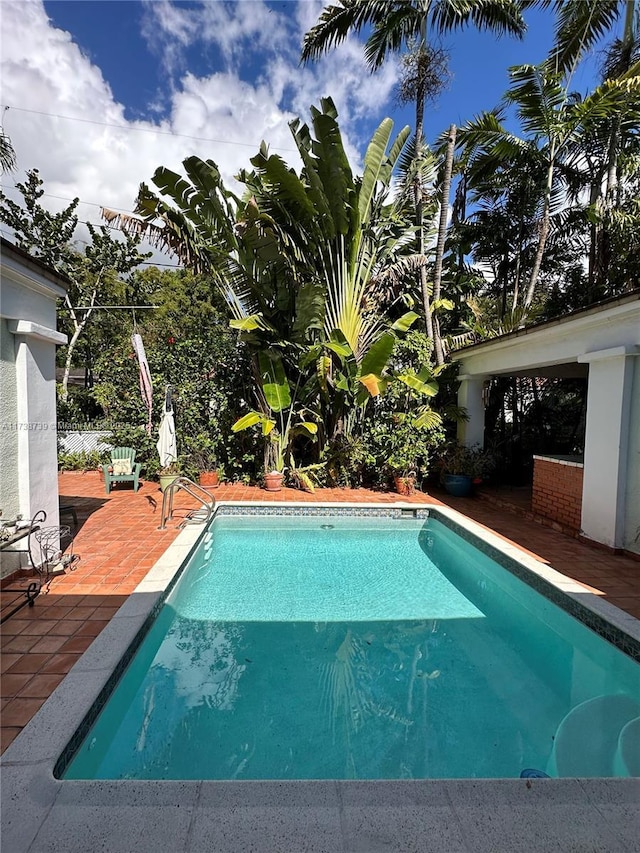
[{"x": 118, "y": 540}]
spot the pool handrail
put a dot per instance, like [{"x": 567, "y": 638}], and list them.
[{"x": 196, "y": 491}]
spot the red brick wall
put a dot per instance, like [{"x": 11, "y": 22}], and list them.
[{"x": 557, "y": 492}]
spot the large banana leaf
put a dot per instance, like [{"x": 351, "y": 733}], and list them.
[
  {"x": 247, "y": 421},
  {"x": 377, "y": 166},
  {"x": 284, "y": 181},
  {"x": 274, "y": 381},
  {"x": 404, "y": 323},
  {"x": 253, "y": 418},
  {"x": 378, "y": 354},
  {"x": 423, "y": 382},
  {"x": 333, "y": 169}
]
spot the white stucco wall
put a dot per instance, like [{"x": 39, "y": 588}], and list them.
[
  {"x": 606, "y": 339},
  {"x": 632, "y": 505},
  {"x": 9, "y": 491},
  {"x": 28, "y": 446}
]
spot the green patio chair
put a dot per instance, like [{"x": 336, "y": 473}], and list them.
[{"x": 120, "y": 456}]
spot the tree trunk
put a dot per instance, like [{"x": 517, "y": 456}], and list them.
[
  {"x": 594, "y": 231},
  {"x": 78, "y": 329},
  {"x": 417, "y": 197},
  {"x": 542, "y": 239},
  {"x": 67, "y": 364},
  {"x": 442, "y": 235}
]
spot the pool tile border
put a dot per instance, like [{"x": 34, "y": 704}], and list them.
[{"x": 567, "y": 601}]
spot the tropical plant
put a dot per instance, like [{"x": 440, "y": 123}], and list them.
[
  {"x": 299, "y": 259},
  {"x": 8, "y": 161},
  {"x": 284, "y": 420},
  {"x": 602, "y": 162},
  {"x": 82, "y": 460},
  {"x": 203, "y": 453},
  {"x": 469, "y": 461},
  {"x": 398, "y": 25},
  {"x": 580, "y": 26},
  {"x": 190, "y": 347}
]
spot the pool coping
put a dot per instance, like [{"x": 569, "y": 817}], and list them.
[{"x": 40, "y": 812}]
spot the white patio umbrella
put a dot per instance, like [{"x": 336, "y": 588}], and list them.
[
  {"x": 167, "y": 446},
  {"x": 146, "y": 388}
]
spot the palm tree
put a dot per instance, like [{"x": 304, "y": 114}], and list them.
[
  {"x": 8, "y": 160},
  {"x": 404, "y": 24},
  {"x": 554, "y": 123},
  {"x": 580, "y": 26}
]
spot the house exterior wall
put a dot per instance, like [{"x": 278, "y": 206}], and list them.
[
  {"x": 557, "y": 491},
  {"x": 28, "y": 441},
  {"x": 606, "y": 450}
]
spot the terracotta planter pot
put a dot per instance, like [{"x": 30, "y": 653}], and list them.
[
  {"x": 209, "y": 479},
  {"x": 405, "y": 485},
  {"x": 273, "y": 481}
]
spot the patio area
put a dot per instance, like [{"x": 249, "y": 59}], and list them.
[{"x": 119, "y": 541}]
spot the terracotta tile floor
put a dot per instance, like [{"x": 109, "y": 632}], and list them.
[{"x": 118, "y": 540}]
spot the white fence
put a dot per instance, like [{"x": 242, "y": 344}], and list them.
[{"x": 84, "y": 441}]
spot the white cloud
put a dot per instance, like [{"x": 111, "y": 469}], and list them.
[
  {"x": 44, "y": 71},
  {"x": 231, "y": 28}
]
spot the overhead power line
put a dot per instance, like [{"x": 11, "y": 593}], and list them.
[
  {"x": 80, "y": 201},
  {"x": 155, "y": 131},
  {"x": 101, "y": 225}
]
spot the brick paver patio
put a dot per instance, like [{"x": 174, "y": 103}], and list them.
[{"x": 118, "y": 540}]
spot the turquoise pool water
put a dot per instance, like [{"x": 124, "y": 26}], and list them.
[{"x": 369, "y": 648}]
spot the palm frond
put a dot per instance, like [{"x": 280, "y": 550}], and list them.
[
  {"x": 580, "y": 25},
  {"x": 501, "y": 17}
]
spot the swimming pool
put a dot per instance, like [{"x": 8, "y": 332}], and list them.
[{"x": 326, "y": 646}]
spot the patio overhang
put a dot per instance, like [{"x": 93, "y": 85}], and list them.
[{"x": 601, "y": 343}]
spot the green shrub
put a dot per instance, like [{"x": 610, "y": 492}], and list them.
[{"x": 82, "y": 460}]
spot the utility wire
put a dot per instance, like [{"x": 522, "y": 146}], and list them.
[
  {"x": 101, "y": 225},
  {"x": 145, "y": 129},
  {"x": 80, "y": 201}
]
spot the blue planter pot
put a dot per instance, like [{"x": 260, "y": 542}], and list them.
[{"x": 458, "y": 485}]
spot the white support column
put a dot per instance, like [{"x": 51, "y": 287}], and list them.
[
  {"x": 470, "y": 397},
  {"x": 36, "y": 426},
  {"x": 606, "y": 443}
]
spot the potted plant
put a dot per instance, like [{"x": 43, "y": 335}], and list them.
[
  {"x": 305, "y": 478},
  {"x": 404, "y": 471},
  {"x": 274, "y": 462},
  {"x": 277, "y": 426},
  {"x": 168, "y": 474},
  {"x": 404, "y": 453},
  {"x": 204, "y": 458},
  {"x": 461, "y": 465}
]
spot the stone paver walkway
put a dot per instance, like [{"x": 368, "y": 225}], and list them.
[{"x": 118, "y": 540}]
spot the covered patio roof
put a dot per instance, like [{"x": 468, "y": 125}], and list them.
[
  {"x": 601, "y": 343},
  {"x": 554, "y": 347}
]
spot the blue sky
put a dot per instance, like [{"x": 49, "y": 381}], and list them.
[
  {"x": 124, "y": 40},
  {"x": 101, "y": 92}
]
